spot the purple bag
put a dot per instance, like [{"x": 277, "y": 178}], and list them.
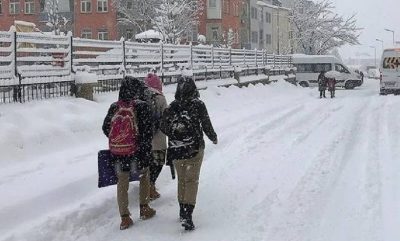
[{"x": 106, "y": 169}]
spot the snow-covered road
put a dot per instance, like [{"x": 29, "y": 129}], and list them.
[{"x": 288, "y": 166}]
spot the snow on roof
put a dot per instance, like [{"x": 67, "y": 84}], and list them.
[
  {"x": 149, "y": 34},
  {"x": 24, "y": 23},
  {"x": 302, "y": 58},
  {"x": 263, "y": 4}
]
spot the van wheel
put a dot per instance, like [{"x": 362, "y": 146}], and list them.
[
  {"x": 304, "y": 84},
  {"x": 349, "y": 85}
]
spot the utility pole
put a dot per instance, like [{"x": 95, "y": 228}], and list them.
[{"x": 392, "y": 31}]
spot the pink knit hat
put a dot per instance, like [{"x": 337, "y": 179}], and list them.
[{"x": 154, "y": 83}]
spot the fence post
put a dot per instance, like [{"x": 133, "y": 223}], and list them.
[
  {"x": 244, "y": 56},
  {"x": 123, "y": 54},
  {"x": 191, "y": 56},
  {"x": 263, "y": 57},
  {"x": 212, "y": 56},
  {"x": 17, "y": 95},
  {"x": 71, "y": 40},
  {"x": 162, "y": 62},
  {"x": 230, "y": 56}
]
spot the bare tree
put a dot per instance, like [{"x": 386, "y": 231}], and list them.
[
  {"x": 318, "y": 30},
  {"x": 175, "y": 18},
  {"x": 55, "y": 20},
  {"x": 136, "y": 13}
]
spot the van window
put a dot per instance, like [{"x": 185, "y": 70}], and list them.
[
  {"x": 304, "y": 68},
  {"x": 340, "y": 68},
  {"x": 318, "y": 68},
  {"x": 313, "y": 68},
  {"x": 391, "y": 62}
]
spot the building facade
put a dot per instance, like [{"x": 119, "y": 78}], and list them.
[
  {"x": 221, "y": 22},
  {"x": 95, "y": 19}
]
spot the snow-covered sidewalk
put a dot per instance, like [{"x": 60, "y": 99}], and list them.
[{"x": 288, "y": 166}]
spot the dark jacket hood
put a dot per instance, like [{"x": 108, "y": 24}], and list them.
[
  {"x": 186, "y": 89},
  {"x": 131, "y": 88}
]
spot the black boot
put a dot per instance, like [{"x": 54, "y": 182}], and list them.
[
  {"x": 188, "y": 222},
  {"x": 181, "y": 212}
]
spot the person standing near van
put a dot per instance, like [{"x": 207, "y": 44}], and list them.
[
  {"x": 184, "y": 122},
  {"x": 322, "y": 84},
  {"x": 331, "y": 86},
  {"x": 129, "y": 129},
  {"x": 159, "y": 143}
]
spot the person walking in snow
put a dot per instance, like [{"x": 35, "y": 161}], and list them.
[
  {"x": 129, "y": 129},
  {"x": 159, "y": 143},
  {"x": 184, "y": 122},
  {"x": 322, "y": 84},
  {"x": 331, "y": 86}
]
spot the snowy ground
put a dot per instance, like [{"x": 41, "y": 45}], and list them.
[{"x": 288, "y": 166}]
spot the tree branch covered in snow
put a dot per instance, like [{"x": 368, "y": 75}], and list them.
[
  {"x": 175, "y": 18},
  {"x": 318, "y": 30},
  {"x": 55, "y": 20},
  {"x": 137, "y": 13}
]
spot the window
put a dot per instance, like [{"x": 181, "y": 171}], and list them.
[
  {"x": 42, "y": 5},
  {"x": 304, "y": 68},
  {"x": 214, "y": 33},
  {"x": 236, "y": 9},
  {"x": 102, "y": 6},
  {"x": 261, "y": 36},
  {"x": 254, "y": 12},
  {"x": 129, "y": 34},
  {"x": 86, "y": 34},
  {"x": 14, "y": 6},
  {"x": 86, "y": 6},
  {"x": 29, "y": 7},
  {"x": 268, "y": 17},
  {"x": 341, "y": 69},
  {"x": 254, "y": 37},
  {"x": 102, "y": 35},
  {"x": 268, "y": 39},
  {"x": 226, "y": 6},
  {"x": 1, "y": 7},
  {"x": 129, "y": 4},
  {"x": 212, "y": 3},
  {"x": 318, "y": 68}
]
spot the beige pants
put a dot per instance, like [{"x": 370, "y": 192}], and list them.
[
  {"x": 122, "y": 191},
  {"x": 188, "y": 171}
]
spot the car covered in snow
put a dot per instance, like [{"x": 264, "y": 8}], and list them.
[
  {"x": 390, "y": 77},
  {"x": 310, "y": 66}
]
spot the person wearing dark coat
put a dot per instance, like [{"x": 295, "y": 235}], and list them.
[
  {"x": 322, "y": 84},
  {"x": 331, "y": 86},
  {"x": 186, "y": 148},
  {"x": 133, "y": 90}
]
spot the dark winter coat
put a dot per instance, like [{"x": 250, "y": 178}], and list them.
[
  {"x": 331, "y": 84},
  {"x": 322, "y": 82},
  {"x": 186, "y": 99},
  {"x": 132, "y": 89}
]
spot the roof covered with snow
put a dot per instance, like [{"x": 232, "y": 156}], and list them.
[{"x": 149, "y": 34}]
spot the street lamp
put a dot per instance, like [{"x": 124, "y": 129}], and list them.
[
  {"x": 375, "y": 53},
  {"x": 379, "y": 40},
  {"x": 392, "y": 33}
]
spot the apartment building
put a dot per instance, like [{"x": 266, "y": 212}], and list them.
[
  {"x": 221, "y": 22},
  {"x": 95, "y": 19}
]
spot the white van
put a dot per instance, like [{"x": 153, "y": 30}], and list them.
[
  {"x": 390, "y": 68},
  {"x": 310, "y": 66}
]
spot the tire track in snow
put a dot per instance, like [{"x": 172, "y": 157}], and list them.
[{"x": 300, "y": 211}]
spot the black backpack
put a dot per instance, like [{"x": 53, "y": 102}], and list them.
[{"x": 182, "y": 129}]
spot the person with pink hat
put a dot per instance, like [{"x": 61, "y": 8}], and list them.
[{"x": 159, "y": 142}]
